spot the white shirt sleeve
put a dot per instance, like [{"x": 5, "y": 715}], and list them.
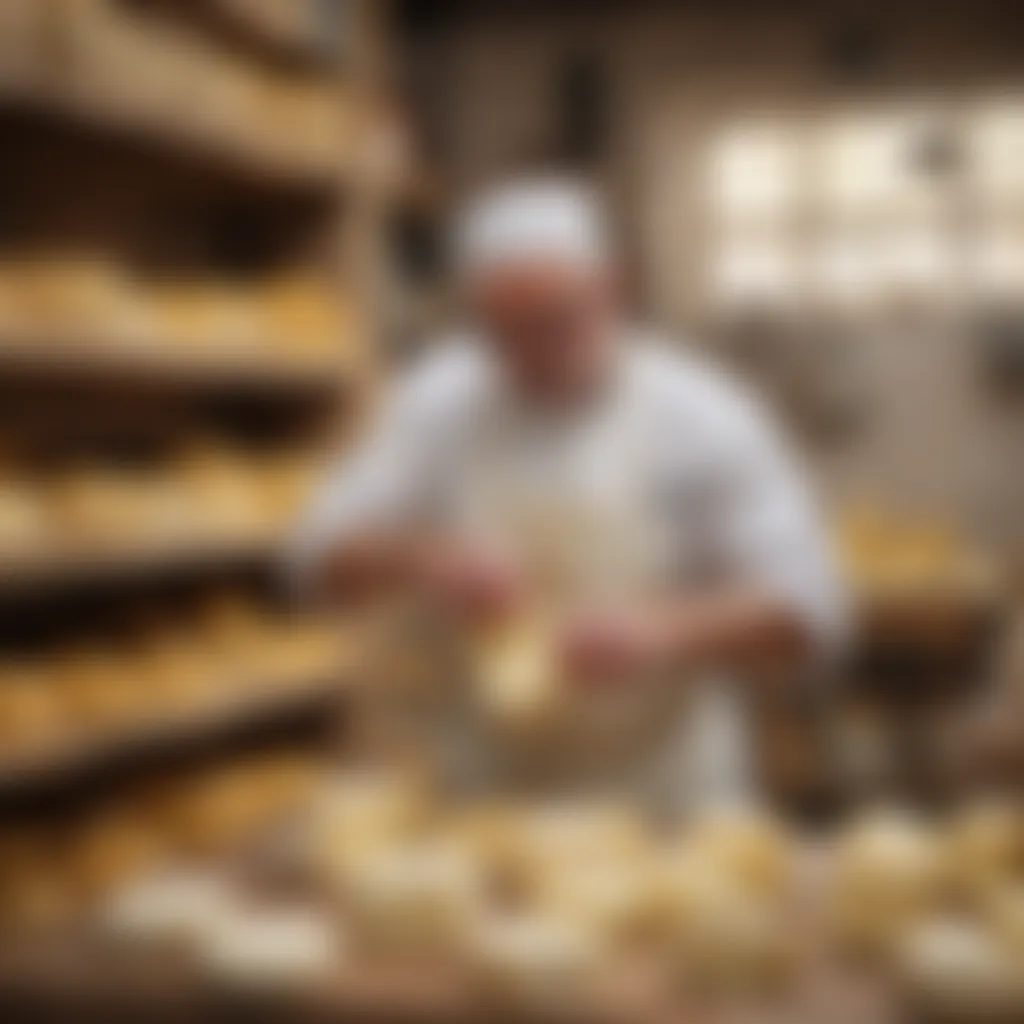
[
  {"x": 764, "y": 527},
  {"x": 393, "y": 478}
]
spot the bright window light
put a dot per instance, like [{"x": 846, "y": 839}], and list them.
[
  {"x": 997, "y": 150},
  {"x": 857, "y": 164},
  {"x": 754, "y": 172},
  {"x": 867, "y": 163},
  {"x": 876, "y": 225}
]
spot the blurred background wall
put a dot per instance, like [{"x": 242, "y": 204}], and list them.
[{"x": 867, "y": 268}]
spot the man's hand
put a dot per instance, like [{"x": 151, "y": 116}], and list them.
[
  {"x": 476, "y": 583},
  {"x": 612, "y": 645},
  {"x": 737, "y": 627}
]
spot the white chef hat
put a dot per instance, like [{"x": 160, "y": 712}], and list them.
[{"x": 533, "y": 218}]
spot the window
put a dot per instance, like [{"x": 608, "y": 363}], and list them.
[{"x": 861, "y": 210}]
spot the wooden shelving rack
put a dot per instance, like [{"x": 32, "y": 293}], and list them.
[{"x": 79, "y": 91}]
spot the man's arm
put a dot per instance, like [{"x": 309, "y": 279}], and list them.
[
  {"x": 742, "y": 626},
  {"x": 372, "y": 528},
  {"x": 474, "y": 582},
  {"x": 780, "y": 602},
  {"x": 366, "y": 565},
  {"x": 359, "y": 534},
  {"x": 356, "y": 537},
  {"x": 774, "y": 602}
]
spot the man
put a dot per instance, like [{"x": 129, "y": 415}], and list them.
[{"x": 555, "y": 453}]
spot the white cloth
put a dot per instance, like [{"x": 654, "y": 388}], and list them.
[
  {"x": 673, "y": 476},
  {"x": 539, "y": 218}
]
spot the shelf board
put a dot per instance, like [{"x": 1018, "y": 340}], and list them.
[
  {"x": 46, "y": 572},
  {"x": 283, "y": 32},
  {"x": 96, "y": 362},
  {"x": 177, "y": 138},
  {"x": 69, "y": 763}
]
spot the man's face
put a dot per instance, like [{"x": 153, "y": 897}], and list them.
[{"x": 552, "y": 324}]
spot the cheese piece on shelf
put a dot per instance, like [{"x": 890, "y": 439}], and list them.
[
  {"x": 615, "y": 902},
  {"x": 535, "y": 961},
  {"x": 723, "y": 935},
  {"x": 169, "y": 912},
  {"x": 889, "y": 872},
  {"x": 956, "y": 970},
  {"x": 231, "y": 322},
  {"x": 563, "y": 833},
  {"x": 222, "y": 486},
  {"x": 99, "y": 505},
  {"x": 214, "y": 813},
  {"x": 285, "y": 483},
  {"x": 749, "y": 847},
  {"x": 1004, "y": 913},
  {"x": 167, "y": 516},
  {"x": 100, "y": 689},
  {"x": 271, "y": 949},
  {"x": 110, "y": 851},
  {"x": 985, "y": 847},
  {"x": 517, "y": 673},
  {"x": 24, "y": 520},
  {"x": 289, "y": 784},
  {"x": 14, "y": 290},
  {"x": 304, "y": 651},
  {"x": 303, "y": 317},
  {"x": 32, "y": 715},
  {"x": 75, "y": 298},
  {"x": 176, "y": 672},
  {"x": 361, "y": 813},
  {"x": 419, "y": 898}
]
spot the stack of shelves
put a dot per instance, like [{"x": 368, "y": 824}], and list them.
[
  {"x": 144, "y": 72},
  {"x": 181, "y": 343}
]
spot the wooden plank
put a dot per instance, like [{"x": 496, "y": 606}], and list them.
[
  {"x": 51, "y": 358},
  {"x": 46, "y": 571},
  {"x": 177, "y": 137},
  {"x": 69, "y": 762}
]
